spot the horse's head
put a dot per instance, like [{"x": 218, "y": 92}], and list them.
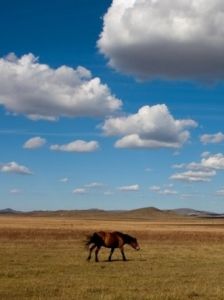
[{"x": 134, "y": 243}]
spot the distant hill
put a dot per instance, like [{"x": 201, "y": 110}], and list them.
[
  {"x": 146, "y": 213},
  {"x": 198, "y": 213},
  {"x": 149, "y": 213},
  {"x": 9, "y": 211}
]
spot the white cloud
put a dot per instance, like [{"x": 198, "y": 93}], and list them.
[
  {"x": 148, "y": 169},
  {"x": 202, "y": 171},
  {"x": 41, "y": 92},
  {"x": 169, "y": 185},
  {"x": 15, "y": 191},
  {"x": 34, "y": 143},
  {"x": 64, "y": 180},
  {"x": 205, "y": 154},
  {"x": 212, "y": 138},
  {"x": 215, "y": 162},
  {"x": 77, "y": 146},
  {"x": 166, "y": 190},
  {"x": 194, "y": 176},
  {"x": 220, "y": 192},
  {"x": 86, "y": 189},
  {"x": 193, "y": 166},
  {"x": 178, "y": 166},
  {"x": 79, "y": 191},
  {"x": 176, "y": 153},
  {"x": 14, "y": 167},
  {"x": 185, "y": 196},
  {"x": 108, "y": 193},
  {"x": 94, "y": 185},
  {"x": 129, "y": 188},
  {"x": 174, "y": 39},
  {"x": 146, "y": 130},
  {"x": 155, "y": 188}
]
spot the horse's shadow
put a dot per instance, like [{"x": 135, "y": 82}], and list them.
[
  {"x": 116, "y": 260},
  {"x": 122, "y": 261}
]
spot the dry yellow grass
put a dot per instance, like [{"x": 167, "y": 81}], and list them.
[{"x": 44, "y": 258}]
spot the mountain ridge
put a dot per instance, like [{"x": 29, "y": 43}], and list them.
[{"x": 143, "y": 212}]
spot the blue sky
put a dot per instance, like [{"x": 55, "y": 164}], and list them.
[{"x": 100, "y": 108}]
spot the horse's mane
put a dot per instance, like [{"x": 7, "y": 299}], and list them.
[{"x": 128, "y": 238}]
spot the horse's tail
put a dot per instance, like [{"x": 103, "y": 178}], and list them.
[
  {"x": 95, "y": 238},
  {"x": 90, "y": 239}
]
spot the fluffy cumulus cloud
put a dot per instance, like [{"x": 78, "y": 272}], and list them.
[
  {"x": 202, "y": 171},
  {"x": 14, "y": 167},
  {"x": 129, "y": 188},
  {"x": 194, "y": 176},
  {"x": 215, "y": 161},
  {"x": 150, "y": 127},
  {"x": 76, "y": 146},
  {"x": 212, "y": 138},
  {"x": 41, "y": 92},
  {"x": 34, "y": 143},
  {"x": 171, "y": 39}
]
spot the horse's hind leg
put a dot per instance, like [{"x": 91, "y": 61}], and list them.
[
  {"x": 111, "y": 252},
  {"x": 122, "y": 253},
  {"x": 96, "y": 253},
  {"x": 90, "y": 252}
]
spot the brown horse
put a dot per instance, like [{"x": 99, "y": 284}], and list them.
[{"x": 110, "y": 240}]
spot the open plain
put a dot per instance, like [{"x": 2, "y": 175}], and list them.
[{"x": 44, "y": 257}]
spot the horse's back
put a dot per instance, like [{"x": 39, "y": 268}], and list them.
[{"x": 111, "y": 239}]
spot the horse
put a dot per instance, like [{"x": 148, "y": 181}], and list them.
[{"x": 110, "y": 240}]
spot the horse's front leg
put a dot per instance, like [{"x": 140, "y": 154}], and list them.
[
  {"x": 90, "y": 252},
  {"x": 96, "y": 253},
  {"x": 111, "y": 252},
  {"x": 123, "y": 255}
]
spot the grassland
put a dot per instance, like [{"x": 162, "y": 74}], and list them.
[{"x": 45, "y": 258}]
